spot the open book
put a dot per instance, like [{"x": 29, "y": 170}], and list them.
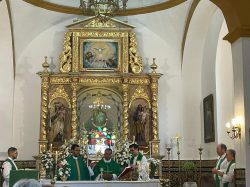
[{"x": 125, "y": 171}]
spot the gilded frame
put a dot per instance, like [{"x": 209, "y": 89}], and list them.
[{"x": 105, "y": 54}]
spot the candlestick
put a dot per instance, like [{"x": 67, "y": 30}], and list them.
[
  {"x": 168, "y": 151},
  {"x": 150, "y": 151},
  {"x": 200, "y": 152}
]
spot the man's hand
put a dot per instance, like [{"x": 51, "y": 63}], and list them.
[
  {"x": 214, "y": 170},
  {"x": 134, "y": 166},
  {"x": 92, "y": 164}
]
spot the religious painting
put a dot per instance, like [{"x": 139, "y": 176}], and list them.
[
  {"x": 99, "y": 54},
  {"x": 139, "y": 121},
  {"x": 208, "y": 108},
  {"x": 59, "y": 128}
]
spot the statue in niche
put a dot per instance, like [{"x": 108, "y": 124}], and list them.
[
  {"x": 140, "y": 119},
  {"x": 59, "y": 119}
]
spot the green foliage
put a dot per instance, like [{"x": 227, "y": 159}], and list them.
[{"x": 189, "y": 166}]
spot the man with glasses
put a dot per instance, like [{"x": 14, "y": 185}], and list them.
[
  {"x": 79, "y": 169},
  {"x": 9, "y": 165}
]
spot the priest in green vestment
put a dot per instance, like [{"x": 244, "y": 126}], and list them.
[
  {"x": 79, "y": 170},
  {"x": 221, "y": 162},
  {"x": 111, "y": 169},
  {"x": 9, "y": 165},
  {"x": 227, "y": 175},
  {"x": 136, "y": 156}
]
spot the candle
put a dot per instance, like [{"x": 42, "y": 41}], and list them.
[
  {"x": 56, "y": 156},
  {"x": 50, "y": 148}
]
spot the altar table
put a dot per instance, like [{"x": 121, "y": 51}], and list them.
[{"x": 150, "y": 183}]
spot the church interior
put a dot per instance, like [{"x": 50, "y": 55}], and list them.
[{"x": 169, "y": 75}]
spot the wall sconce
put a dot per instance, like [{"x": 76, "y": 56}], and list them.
[{"x": 234, "y": 128}]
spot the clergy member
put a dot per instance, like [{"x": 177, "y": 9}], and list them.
[
  {"x": 227, "y": 175},
  {"x": 111, "y": 169},
  {"x": 79, "y": 170},
  {"x": 9, "y": 165},
  {"x": 136, "y": 156},
  {"x": 221, "y": 162}
]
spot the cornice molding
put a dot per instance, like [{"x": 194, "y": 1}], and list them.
[
  {"x": 243, "y": 31},
  {"x": 128, "y": 12}
]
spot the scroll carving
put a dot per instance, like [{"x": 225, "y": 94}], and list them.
[
  {"x": 66, "y": 55},
  {"x": 134, "y": 59}
]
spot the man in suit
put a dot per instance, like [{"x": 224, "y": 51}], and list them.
[{"x": 9, "y": 165}]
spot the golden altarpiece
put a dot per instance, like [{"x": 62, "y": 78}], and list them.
[{"x": 100, "y": 84}]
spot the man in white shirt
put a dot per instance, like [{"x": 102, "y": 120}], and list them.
[
  {"x": 221, "y": 163},
  {"x": 227, "y": 175},
  {"x": 9, "y": 165}
]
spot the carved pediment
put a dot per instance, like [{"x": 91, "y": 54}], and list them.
[{"x": 100, "y": 22}]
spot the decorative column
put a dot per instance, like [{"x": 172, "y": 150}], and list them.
[
  {"x": 154, "y": 92},
  {"x": 125, "y": 111},
  {"x": 44, "y": 106},
  {"x": 43, "y": 116},
  {"x": 74, "y": 117}
]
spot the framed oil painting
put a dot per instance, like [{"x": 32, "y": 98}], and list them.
[
  {"x": 208, "y": 109},
  {"x": 100, "y": 54}
]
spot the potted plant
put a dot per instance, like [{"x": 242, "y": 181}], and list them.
[{"x": 189, "y": 168}]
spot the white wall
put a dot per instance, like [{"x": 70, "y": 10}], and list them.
[
  {"x": 198, "y": 77},
  {"x": 224, "y": 87},
  {"x": 6, "y": 81}
]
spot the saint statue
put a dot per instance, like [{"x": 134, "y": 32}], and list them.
[
  {"x": 139, "y": 124},
  {"x": 57, "y": 123}
]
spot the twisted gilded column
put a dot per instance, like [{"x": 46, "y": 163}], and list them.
[
  {"x": 155, "y": 131},
  {"x": 74, "y": 116},
  {"x": 44, "y": 111},
  {"x": 154, "y": 92},
  {"x": 125, "y": 111}
]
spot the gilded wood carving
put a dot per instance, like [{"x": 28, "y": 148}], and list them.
[{"x": 100, "y": 64}]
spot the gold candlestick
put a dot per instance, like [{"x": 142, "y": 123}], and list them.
[
  {"x": 168, "y": 152},
  {"x": 200, "y": 153}
]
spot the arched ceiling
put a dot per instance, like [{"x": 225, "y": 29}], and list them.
[{"x": 134, "y": 6}]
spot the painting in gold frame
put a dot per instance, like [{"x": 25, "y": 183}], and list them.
[{"x": 100, "y": 54}]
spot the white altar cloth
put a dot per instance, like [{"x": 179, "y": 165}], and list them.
[{"x": 150, "y": 183}]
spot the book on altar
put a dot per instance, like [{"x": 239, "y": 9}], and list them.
[{"x": 126, "y": 171}]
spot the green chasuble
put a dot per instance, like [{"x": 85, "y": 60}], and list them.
[
  {"x": 227, "y": 183},
  {"x": 217, "y": 180},
  {"x": 139, "y": 158},
  {"x": 11, "y": 163},
  {"x": 79, "y": 170},
  {"x": 108, "y": 167}
]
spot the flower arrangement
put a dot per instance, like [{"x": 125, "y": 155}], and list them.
[
  {"x": 122, "y": 155},
  {"x": 64, "y": 169},
  {"x": 48, "y": 163},
  {"x": 47, "y": 160},
  {"x": 154, "y": 163}
]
